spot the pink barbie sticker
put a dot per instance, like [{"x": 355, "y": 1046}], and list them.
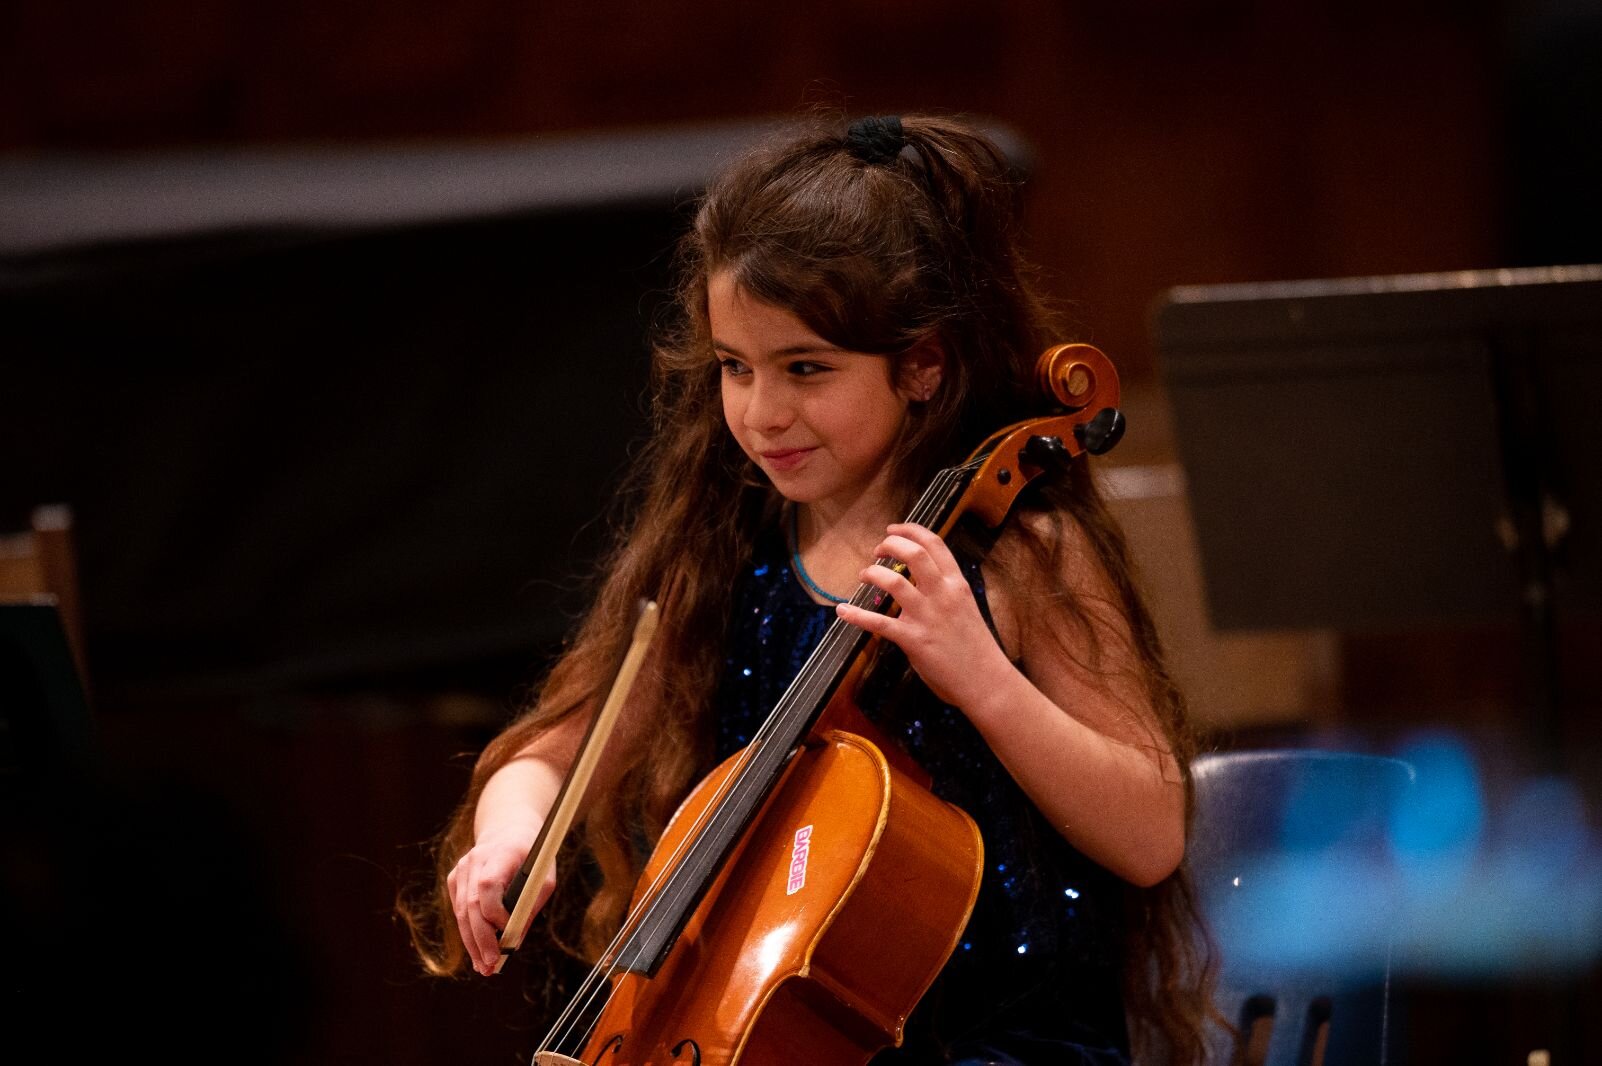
[{"x": 798, "y": 860}]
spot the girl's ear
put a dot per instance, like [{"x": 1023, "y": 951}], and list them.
[{"x": 921, "y": 370}]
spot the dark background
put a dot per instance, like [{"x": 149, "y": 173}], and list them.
[{"x": 336, "y": 481}]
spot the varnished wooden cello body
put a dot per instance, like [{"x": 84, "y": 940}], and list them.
[{"x": 809, "y": 889}]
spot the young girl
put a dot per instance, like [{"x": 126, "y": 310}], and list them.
[{"x": 856, "y": 315}]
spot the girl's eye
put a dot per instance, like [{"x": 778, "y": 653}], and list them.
[
  {"x": 732, "y": 367},
  {"x": 804, "y": 369}
]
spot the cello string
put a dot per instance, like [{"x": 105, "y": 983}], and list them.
[
  {"x": 940, "y": 494},
  {"x": 807, "y": 690},
  {"x": 657, "y": 897},
  {"x": 808, "y": 694},
  {"x": 815, "y": 681}
]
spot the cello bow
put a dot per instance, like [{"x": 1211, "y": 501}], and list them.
[{"x": 522, "y": 895}]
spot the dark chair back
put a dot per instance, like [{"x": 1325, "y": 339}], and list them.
[{"x": 1289, "y": 853}]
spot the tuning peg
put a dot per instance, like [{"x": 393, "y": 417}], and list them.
[
  {"x": 1102, "y": 432},
  {"x": 1047, "y": 453}
]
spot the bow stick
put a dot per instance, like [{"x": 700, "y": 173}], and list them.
[{"x": 523, "y": 893}]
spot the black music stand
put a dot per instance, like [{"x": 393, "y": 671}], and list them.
[{"x": 1395, "y": 451}]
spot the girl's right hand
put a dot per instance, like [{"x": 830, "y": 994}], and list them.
[{"x": 477, "y": 885}]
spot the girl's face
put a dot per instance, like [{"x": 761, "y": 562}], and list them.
[{"x": 820, "y": 421}]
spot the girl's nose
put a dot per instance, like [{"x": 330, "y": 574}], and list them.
[{"x": 768, "y": 408}]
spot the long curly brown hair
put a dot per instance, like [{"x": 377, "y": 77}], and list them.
[{"x": 874, "y": 256}]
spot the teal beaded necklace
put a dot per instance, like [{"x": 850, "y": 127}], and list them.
[{"x": 801, "y": 571}]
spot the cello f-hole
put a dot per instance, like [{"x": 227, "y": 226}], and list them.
[
  {"x": 695, "y": 1050},
  {"x": 615, "y": 1043}
]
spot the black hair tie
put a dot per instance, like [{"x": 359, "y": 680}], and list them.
[{"x": 876, "y": 139}]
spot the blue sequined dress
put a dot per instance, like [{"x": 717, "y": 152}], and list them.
[{"x": 1036, "y": 977}]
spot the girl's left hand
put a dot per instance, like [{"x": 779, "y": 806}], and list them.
[{"x": 939, "y": 626}]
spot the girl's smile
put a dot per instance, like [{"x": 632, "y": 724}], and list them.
[{"x": 786, "y": 459}]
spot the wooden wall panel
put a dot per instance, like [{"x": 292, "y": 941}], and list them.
[{"x": 1176, "y": 144}]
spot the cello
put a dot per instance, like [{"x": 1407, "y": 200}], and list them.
[{"x": 761, "y": 928}]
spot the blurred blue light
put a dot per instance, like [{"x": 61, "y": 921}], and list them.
[
  {"x": 1445, "y": 813},
  {"x": 1431, "y": 878}
]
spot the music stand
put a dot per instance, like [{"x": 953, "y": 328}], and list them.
[{"x": 1394, "y": 451}]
